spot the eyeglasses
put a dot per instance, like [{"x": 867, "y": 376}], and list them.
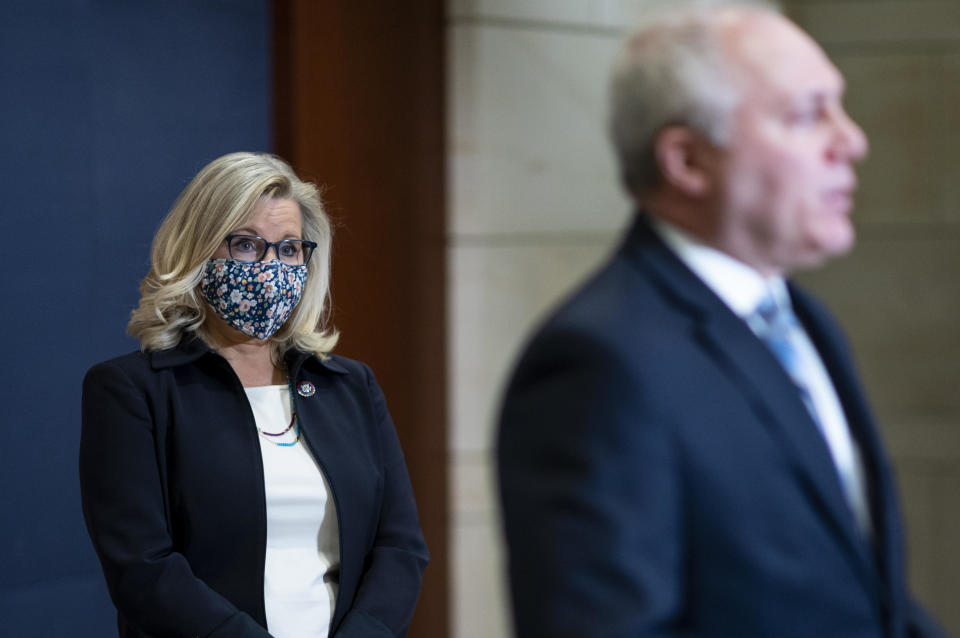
[{"x": 249, "y": 248}]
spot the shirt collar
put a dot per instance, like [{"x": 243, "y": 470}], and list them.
[{"x": 738, "y": 285}]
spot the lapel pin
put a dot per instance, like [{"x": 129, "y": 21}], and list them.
[{"x": 306, "y": 389}]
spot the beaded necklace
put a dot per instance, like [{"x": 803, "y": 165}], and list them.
[{"x": 294, "y": 422}]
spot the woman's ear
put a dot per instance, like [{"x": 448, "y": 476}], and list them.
[{"x": 685, "y": 160}]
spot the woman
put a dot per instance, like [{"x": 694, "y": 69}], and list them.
[{"x": 237, "y": 478}]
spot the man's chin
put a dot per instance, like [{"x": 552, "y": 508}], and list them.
[
  {"x": 823, "y": 252},
  {"x": 836, "y": 250},
  {"x": 836, "y": 239},
  {"x": 842, "y": 240}
]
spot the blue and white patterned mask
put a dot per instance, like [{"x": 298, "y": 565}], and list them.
[{"x": 254, "y": 297}]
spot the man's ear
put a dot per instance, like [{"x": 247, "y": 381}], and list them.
[{"x": 684, "y": 160}]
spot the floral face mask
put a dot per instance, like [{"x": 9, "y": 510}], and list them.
[{"x": 254, "y": 297}]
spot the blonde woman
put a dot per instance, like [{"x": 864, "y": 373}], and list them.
[{"x": 238, "y": 479}]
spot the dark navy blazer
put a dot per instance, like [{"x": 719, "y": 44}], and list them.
[
  {"x": 172, "y": 484},
  {"x": 660, "y": 475}
]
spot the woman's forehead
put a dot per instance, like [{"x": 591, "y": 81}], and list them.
[{"x": 274, "y": 215}]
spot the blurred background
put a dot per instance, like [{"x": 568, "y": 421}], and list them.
[{"x": 462, "y": 148}]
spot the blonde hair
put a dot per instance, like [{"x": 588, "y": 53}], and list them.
[{"x": 220, "y": 199}]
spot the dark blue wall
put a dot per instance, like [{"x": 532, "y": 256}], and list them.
[{"x": 107, "y": 109}]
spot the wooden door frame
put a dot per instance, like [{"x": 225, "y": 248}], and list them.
[{"x": 359, "y": 109}]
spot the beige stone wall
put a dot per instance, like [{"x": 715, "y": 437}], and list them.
[{"x": 534, "y": 206}]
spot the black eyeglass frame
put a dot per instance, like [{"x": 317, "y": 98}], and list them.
[{"x": 304, "y": 243}]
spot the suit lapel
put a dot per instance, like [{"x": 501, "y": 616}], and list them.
[
  {"x": 776, "y": 400},
  {"x": 884, "y": 510},
  {"x": 752, "y": 367}
]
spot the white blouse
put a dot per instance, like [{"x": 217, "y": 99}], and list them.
[{"x": 301, "y": 572}]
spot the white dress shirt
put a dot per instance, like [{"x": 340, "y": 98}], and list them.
[{"x": 742, "y": 288}]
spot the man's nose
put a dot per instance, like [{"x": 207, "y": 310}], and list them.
[{"x": 850, "y": 142}]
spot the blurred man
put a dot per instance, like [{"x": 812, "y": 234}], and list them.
[{"x": 685, "y": 449}]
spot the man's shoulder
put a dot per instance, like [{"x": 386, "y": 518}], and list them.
[
  {"x": 620, "y": 294},
  {"x": 619, "y": 312}
]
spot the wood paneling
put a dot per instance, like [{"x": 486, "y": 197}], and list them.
[{"x": 359, "y": 90}]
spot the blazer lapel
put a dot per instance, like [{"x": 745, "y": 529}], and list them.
[
  {"x": 749, "y": 363},
  {"x": 329, "y": 419}
]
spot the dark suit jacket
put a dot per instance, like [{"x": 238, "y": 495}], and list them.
[
  {"x": 660, "y": 475},
  {"x": 172, "y": 484}
]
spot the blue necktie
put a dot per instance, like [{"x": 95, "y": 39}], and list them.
[{"x": 776, "y": 325}]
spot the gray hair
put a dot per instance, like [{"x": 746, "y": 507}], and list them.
[{"x": 673, "y": 70}]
